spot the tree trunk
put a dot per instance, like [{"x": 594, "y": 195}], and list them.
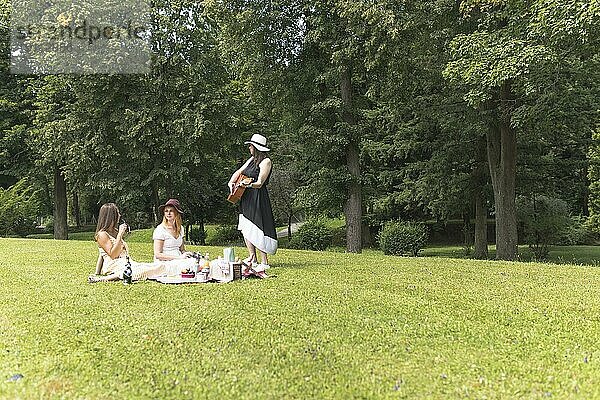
[
  {"x": 76, "y": 211},
  {"x": 367, "y": 239},
  {"x": 156, "y": 201},
  {"x": 202, "y": 232},
  {"x": 289, "y": 227},
  {"x": 467, "y": 236},
  {"x": 586, "y": 194},
  {"x": 481, "y": 247},
  {"x": 502, "y": 159},
  {"x": 60, "y": 206},
  {"x": 353, "y": 206},
  {"x": 479, "y": 182}
]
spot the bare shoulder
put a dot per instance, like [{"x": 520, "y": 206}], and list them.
[
  {"x": 103, "y": 240},
  {"x": 266, "y": 162},
  {"x": 102, "y": 236}
]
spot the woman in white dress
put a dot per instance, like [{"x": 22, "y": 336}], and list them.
[
  {"x": 114, "y": 251},
  {"x": 169, "y": 247}
]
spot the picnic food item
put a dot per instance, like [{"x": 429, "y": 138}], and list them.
[
  {"x": 238, "y": 189},
  {"x": 187, "y": 273}
]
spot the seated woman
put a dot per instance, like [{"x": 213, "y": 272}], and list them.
[
  {"x": 169, "y": 247},
  {"x": 115, "y": 253}
]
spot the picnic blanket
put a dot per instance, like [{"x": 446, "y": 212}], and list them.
[{"x": 220, "y": 271}]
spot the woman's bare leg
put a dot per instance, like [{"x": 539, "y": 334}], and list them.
[
  {"x": 251, "y": 250},
  {"x": 103, "y": 278},
  {"x": 263, "y": 257}
]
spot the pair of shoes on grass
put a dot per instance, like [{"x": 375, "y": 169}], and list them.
[{"x": 257, "y": 270}]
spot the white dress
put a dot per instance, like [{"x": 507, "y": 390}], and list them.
[
  {"x": 171, "y": 247},
  {"x": 140, "y": 271}
]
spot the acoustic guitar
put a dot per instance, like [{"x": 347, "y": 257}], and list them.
[{"x": 238, "y": 190}]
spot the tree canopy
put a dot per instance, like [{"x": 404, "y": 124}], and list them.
[{"x": 378, "y": 111}]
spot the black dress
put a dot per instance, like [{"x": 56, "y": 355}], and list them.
[{"x": 256, "y": 220}]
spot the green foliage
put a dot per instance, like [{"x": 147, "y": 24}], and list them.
[
  {"x": 139, "y": 220},
  {"x": 338, "y": 238},
  {"x": 402, "y": 238},
  {"x": 224, "y": 235},
  {"x": 196, "y": 235},
  {"x": 543, "y": 221},
  {"x": 19, "y": 209},
  {"x": 594, "y": 178},
  {"x": 578, "y": 232},
  {"x": 312, "y": 235}
]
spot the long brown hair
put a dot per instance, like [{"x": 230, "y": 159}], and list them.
[
  {"x": 177, "y": 224},
  {"x": 258, "y": 156},
  {"x": 108, "y": 219}
]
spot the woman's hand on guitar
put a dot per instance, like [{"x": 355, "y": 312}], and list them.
[{"x": 246, "y": 182}]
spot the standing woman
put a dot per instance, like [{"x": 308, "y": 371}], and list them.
[
  {"x": 169, "y": 247},
  {"x": 114, "y": 251},
  {"x": 256, "y": 220}
]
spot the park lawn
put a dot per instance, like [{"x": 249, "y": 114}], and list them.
[
  {"x": 577, "y": 255},
  {"x": 329, "y": 325}
]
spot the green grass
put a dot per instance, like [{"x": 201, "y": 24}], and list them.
[
  {"x": 330, "y": 325},
  {"x": 577, "y": 255}
]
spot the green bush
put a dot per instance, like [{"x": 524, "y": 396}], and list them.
[
  {"x": 543, "y": 220},
  {"x": 592, "y": 224},
  {"x": 312, "y": 235},
  {"x": 338, "y": 236},
  {"x": 196, "y": 235},
  {"x": 225, "y": 235},
  {"x": 403, "y": 238},
  {"x": 139, "y": 220},
  {"x": 19, "y": 208},
  {"x": 577, "y": 232}
]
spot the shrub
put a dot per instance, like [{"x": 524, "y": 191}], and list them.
[
  {"x": 312, "y": 235},
  {"x": 402, "y": 238},
  {"x": 543, "y": 220},
  {"x": 196, "y": 235},
  {"x": 19, "y": 208},
  {"x": 225, "y": 235},
  {"x": 577, "y": 232},
  {"x": 338, "y": 236},
  {"x": 139, "y": 220},
  {"x": 592, "y": 224}
]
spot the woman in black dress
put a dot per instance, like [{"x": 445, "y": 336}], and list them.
[{"x": 256, "y": 218}]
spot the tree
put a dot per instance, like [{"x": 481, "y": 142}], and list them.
[
  {"x": 283, "y": 185},
  {"x": 505, "y": 65}
]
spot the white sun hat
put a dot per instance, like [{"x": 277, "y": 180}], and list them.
[{"x": 258, "y": 141}]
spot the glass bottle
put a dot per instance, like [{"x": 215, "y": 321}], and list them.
[{"x": 127, "y": 273}]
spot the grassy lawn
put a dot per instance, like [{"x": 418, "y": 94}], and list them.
[
  {"x": 329, "y": 325},
  {"x": 578, "y": 255}
]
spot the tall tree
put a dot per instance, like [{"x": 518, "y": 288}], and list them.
[{"x": 505, "y": 64}]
